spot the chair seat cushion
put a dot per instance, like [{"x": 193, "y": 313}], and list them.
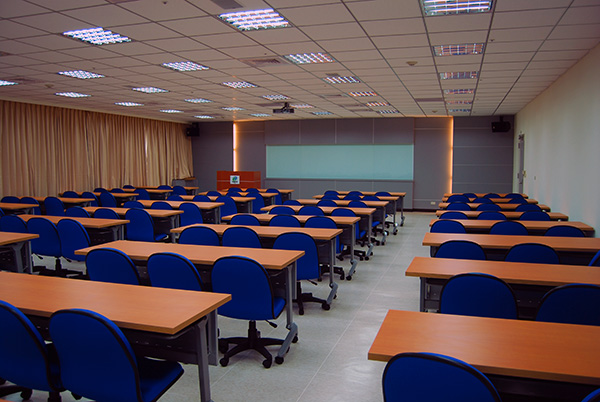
[
  {"x": 161, "y": 237},
  {"x": 157, "y": 376}
]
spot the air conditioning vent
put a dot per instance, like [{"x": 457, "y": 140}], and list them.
[
  {"x": 266, "y": 62},
  {"x": 420, "y": 100},
  {"x": 227, "y": 4},
  {"x": 24, "y": 80}
]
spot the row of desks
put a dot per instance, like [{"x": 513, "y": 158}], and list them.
[{"x": 533, "y": 227}]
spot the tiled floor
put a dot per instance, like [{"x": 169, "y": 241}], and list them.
[{"x": 329, "y": 362}]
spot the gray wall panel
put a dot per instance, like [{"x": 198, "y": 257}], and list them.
[
  {"x": 354, "y": 131},
  {"x": 212, "y": 151},
  {"x": 282, "y": 132},
  {"x": 394, "y": 131},
  {"x": 483, "y": 155},
  {"x": 317, "y": 131}
]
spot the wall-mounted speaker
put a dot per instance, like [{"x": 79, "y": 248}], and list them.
[
  {"x": 193, "y": 130},
  {"x": 500, "y": 126}
]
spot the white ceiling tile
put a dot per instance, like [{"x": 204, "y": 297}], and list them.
[
  {"x": 232, "y": 39},
  {"x": 560, "y": 55},
  {"x": 576, "y": 31},
  {"x": 380, "y": 10},
  {"x": 317, "y": 15},
  {"x": 343, "y": 45},
  {"x": 581, "y": 15},
  {"x": 569, "y": 44},
  {"x": 461, "y": 22},
  {"x": 528, "y": 18},
  {"x": 147, "y": 31},
  {"x": 199, "y": 26},
  {"x": 161, "y": 10},
  {"x": 518, "y": 5},
  {"x": 513, "y": 47},
  {"x": 400, "y": 41},
  {"x": 519, "y": 34},
  {"x": 394, "y": 27},
  {"x": 333, "y": 31},
  {"x": 277, "y": 36},
  {"x": 12, "y": 30},
  {"x": 458, "y": 38},
  {"x": 53, "y": 22},
  {"x": 107, "y": 16},
  {"x": 19, "y": 8}
]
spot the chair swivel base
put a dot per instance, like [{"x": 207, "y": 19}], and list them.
[
  {"x": 308, "y": 297},
  {"x": 13, "y": 389},
  {"x": 336, "y": 270},
  {"x": 254, "y": 342}
]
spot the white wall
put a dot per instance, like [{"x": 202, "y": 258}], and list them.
[{"x": 562, "y": 143}]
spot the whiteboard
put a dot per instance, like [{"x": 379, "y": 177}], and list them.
[{"x": 364, "y": 162}]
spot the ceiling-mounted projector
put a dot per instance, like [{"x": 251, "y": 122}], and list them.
[{"x": 285, "y": 109}]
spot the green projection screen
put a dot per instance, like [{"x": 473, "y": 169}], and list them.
[{"x": 362, "y": 162}]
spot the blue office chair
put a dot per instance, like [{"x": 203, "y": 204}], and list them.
[
  {"x": 491, "y": 216},
  {"x": 228, "y": 207},
  {"x": 281, "y": 210},
  {"x": 133, "y": 204},
  {"x": 175, "y": 197},
  {"x": 482, "y": 200},
  {"x": 564, "y": 231},
  {"x": 284, "y": 220},
  {"x": 310, "y": 210},
  {"x": 470, "y": 195},
  {"x": 307, "y": 267},
  {"x": 47, "y": 244},
  {"x": 359, "y": 234},
  {"x": 252, "y": 299},
  {"x": 492, "y": 195},
  {"x": 77, "y": 212},
  {"x": 174, "y": 271},
  {"x": 330, "y": 196},
  {"x": 161, "y": 205},
  {"x": 330, "y": 192},
  {"x": 375, "y": 223},
  {"x": 179, "y": 190},
  {"x": 355, "y": 192},
  {"x": 191, "y": 215},
  {"x": 234, "y": 191},
  {"x": 461, "y": 249},
  {"x": 70, "y": 194},
  {"x": 458, "y": 198},
  {"x": 447, "y": 226},
  {"x": 533, "y": 253},
  {"x": 509, "y": 228},
  {"x": 595, "y": 261},
  {"x": 292, "y": 202},
  {"x": 240, "y": 236},
  {"x": 141, "y": 226},
  {"x": 73, "y": 236},
  {"x": 2, "y": 212},
  {"x": 252, "y": 190},
  {"x": 13, "y": 223},
  {"x": 258, "y": 203},
  {"x": 10, "y": 199},
  {"x": 245, "y": 219},
  {"x": 458, "y": 206},
  {"x": 516, "y": 198},
  {"x": 326, "y": 203},
  {"x": 352, "y": 197},
  {"x": 54, "y": 206},
  {"x": 213, "y": 193},
  {"x": 25, "y": 358},
  {"x": 98, "y": 362},
  {"x": 30, "y": 200},
  {"x": 479, "y": 295},
  {"x": 593, "y": 397},
  {"x": 116, "y": 190},
  {"x": 325, "y": 222},
  {"x": 200, "y": 235},
  {"x": 165, "y": 187},
  {"x": 111, "y": 265},
  {"x": 428, "y": 377},
  {"x": 129, "y": 186},
  {"x": 108, "y": 200},
  {"x": 571, "y": 304},
  {"x": 534, "y": 216},
  {"x": 201, "y": 198},
  {"x": 277, "y": 196},
  {"x": 454, "y": 215},
  {"x": 488, "y": 207},
  {"x": 100, "y": 190},
  {"x": 105, "y": 213},
  {"x": 89, "y": 194},
  {"x": 528, "y": 207},
  {"x": 142, "y": 194}
]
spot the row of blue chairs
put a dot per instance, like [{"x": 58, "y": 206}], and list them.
[
  {"x": 490, "y": 206},
  {"x": 524, "y": 252},
  {"x": 465, "y": 197},
  {"x": 506, "y": 227}
]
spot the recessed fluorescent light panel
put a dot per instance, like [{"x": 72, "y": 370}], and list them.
[
  {"x": 232, "y": 109},
  {"x": 392, "y": 111},
  {"x": 459, "y": 110},
  {"x": 150, "y": 90},
  {"x": 259, "y": 114},
  {"x": 170, "y": 111},
  {"x": 255, "y": 19},
  {"x": 238, "y": 84},
  {"x": 459, "y": 102},
  {"x": 458, "y": 50},
  {"x": 458, "y": 75},
  {"x": 309, "y": 58},
  {"x": 321, "y": 113},
  {"x": 276, "y": 97},
  {"x": 204, "y": 117},
  {"x": 82, "y": 75},
  {"x": 302, "y": 106},
  {"x": 342, "y": 80},
  {"x": 373, "y": 104},
  {"x": 97, "y": 36},
  {"x": 445, "y": 7},
  {"x": 459, "y": 91},
  {"x": 184, "y": 66},
  {"x": 7, "y": 83},
  {"x": 198, "y": 100},
  {"x": 72, "y": 94},
  {"x": 362, "y": 93},
  {"x": 129, "y": 104}
]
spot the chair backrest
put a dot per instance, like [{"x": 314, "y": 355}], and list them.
[
  {"x": 509, "y": 228},
  {"x": 310, "y": 210},
  {"x": 175, "y": 197},
  {"x": 349, "y": 212},
  {"x": 454, "y": 215},
  {"x": 179, "y": 190},
  {"x": 11, "y": 199},
  {"x": 117, "y": 190},
  {"x": 357, "y": 204},
  {"x": 48, "y": 242},
  {"x": 593, "y": 396},
  {"x": 447, "y": 226},
  {"x": 201, "y": 198},
  {"x": 142, "y": 194},
  {"x": 595, "y": 261},
  {"x": 111, "y": 265},
  {"x": 70, "y": 194},
  {"x": 482, "y": 200},
  {"x": 291, "y": 202},
  {"x": 479, "y": 295},
  {"x": 528, "y": 207},
  {"x": 490, "y": 206},
  {"x": 129, "y": 186},
  {"x": 532, "y": 252},
  {"x": 106, "y": 213},
  {"x": 164, "y": 187},
  {"x": 252, "y": 296},
  {"x": 534, "y": 216},
  {"x": 100, "y": 190},
  {"x": 12, "y": 223},
  {"x": 326, "y": 203},
  {"x": 245, "y": 219},
  {"x": 1, "y": 212},
  {"x": 284, "y": 220},
  {"x": 77, "y": 212},
  {"x": 258, "y": 203},
  {"x": 277, "y": 195},
  {"x": 133, "y": 204},
  {"x": 191, "y": 214},
  {"x": 73, "y": 236},
  {"x": 213, "y": 193},
  {"x": 281, "y": 210},
  {"x": 491, "y": 216},
  {"x": 320, "y": 222},
  {"x": 458, "y": 206},
  {"x": 461, "y": 249},
  {"x": 352, "y": 197},
  {"x": 428, "y": 377},
  {"x": 107, "y": 200},
  {"x": 458, "y": 198},
  {"x": 571, "y": 304},
  {"x": 516, "y": 199},
  {"x": 199, "y": 235},
  {"x": 54, "y": 206},
  {"x": 307, "y": 267},
  {"x": 170, "y": 270},
  {"x": 140, "y": 226},
  {"x": 240, "y": 236},
  {"x": 98, "y": 362},
  {"x": 31, "y": 200},
  {"x": 229, "y": 207},
  {"x": 161, "y": 205},
  {"x": 564, "y": 231},
  {"x": 492, "y": 195},
  {"x": 25, "y": 359},
  {"x": 383, "y": 194},
  {"x": 330, "y": 196},
  {"x": 330, "y": 192},
  {"x": 470, "y": 195},
  {"x": 89, "y": 194},
  {"x": 370, "y": 198}
]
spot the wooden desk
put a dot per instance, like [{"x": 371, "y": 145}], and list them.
[
  {"x": 522, "y": 350},
  {"x": 286, "y": 193},
  {"x": 572, "y": 250},
  {"x": 269, "y": 198},
  {"x": 15, "y": 207},
  {"x": 243, "y": 204},
  {"x": 533, "y": 227},
  {"x": 529, "y": 281},
  {"x": 503, "y": 206},
  {"x": 319, "y": 235},
  {"x": 20, "y": 244},
  {"x": 511, "y": 215},
  {"x": 116, "y": 226},
  {"x": 211, "y": 211},
  {"x": 205, "y": 256},
  {"x": 399, "y": 204},
  {"x": 155, "y": 193},
  {"x": 148, "y": 311},
  {"x": 446, "y": 195},
  {"x": 498, "y": 200}
]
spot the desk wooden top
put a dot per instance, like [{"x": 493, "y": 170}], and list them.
[
  {"x": 266, "y": 218},
  {"x": 498, "y": 200},
  {"x": 381, "y": 197},
  {"x": 326, "y": 210},
  {"x": 149, "y": 190},
  {"x": 214, "y": 197},
  {"x": 244, "y": 194},
  {"x": 519, "y": 348},
  {"x": 202, "y": 255},
  {"x": 155, "y": 213},
  {"x": 537, "y": 226},
  {"x": 15, "y": 206},
  {"x": 177, "y": 204},
  {"x": 116, "y": 195},
  {"x": 503, "y": 206},
  {"x": 395, "y": 194},
  {"x": 67, "y": 200},
  {"x": 504, "y": 242},
  {"x": 156, "y": 187},
  {"x": 11, "y": 237},
  {"x": 344, "y": 203},
  {"x": 446, "y": 195},
  {"x": 271, "y": 231},
  {"x": 511, "y": 272},
  {"x": 145, "y": 308},
  {"x": 88, "y": 223},
  {"x": 512, "y": 215},
  {"x": 281, "y": 190}
]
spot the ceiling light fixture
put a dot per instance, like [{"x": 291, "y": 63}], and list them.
[
  {"x": 82, "y": 75},
  {"x": 309, "y": 58},
  {"x": 458, "y": 75},
  {"x": 184, "y": 66},
  {"x": 362, "y": 93},
  {"x": 204, "y": 117},
  {"x": 232, "y": 109},
  {"x": 342, "y": 80},
  {"x": 459, "y": 110},
  {"x": 7, "y": 83},
  {"x": 198, "y": 100},
  {"x": 259, "y": 115},
  {"x": 302, "y": 106},
  {"x": 255, "y": 19},
  {"x": 458, "y": 50},
  {"x": 238, "y": 84},
  {"x": 72, "y": 94},
  {"x": 170, "y": 111},
  {"x": 372, "y": 104},
  {"x": 445, "y": 7},
  {"x": 459, "y": 102},
  {"x": 97, "y": 36},
  {"x": 389, "y": 111},
  {"x": 459, "y": 91},
  {"x": 129, "y": 104},
  {"x": 150, "y": 90},
  {"x": 276, "y": 97},
  {"x": 321, "y": 113}
]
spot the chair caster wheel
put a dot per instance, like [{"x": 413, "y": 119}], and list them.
[
  {"x": 349, "y": 278},
  {"x": 26, "y": 395},
  {"x": 267, "y": 363},
  {"x": 342, "y": 277},
  {"x": 325, "y": 306},
  {"x": 367, "y": 258},
  {"x": 223, "y": 346},
  {"x": 224, "y": 362},
  {"x": 295, "y": 339},
  {"x": 361, "y": 258},
  {"x": 279, "y": 360}
]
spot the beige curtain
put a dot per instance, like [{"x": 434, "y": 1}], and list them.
[{"x": 46, "y": 150}]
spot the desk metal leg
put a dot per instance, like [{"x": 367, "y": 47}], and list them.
[
  {"x": 369, "y": 234},
  {"x": 422, "y": 295},
  {"x": 217, "y": 212},
  {"x": 332, "y": 284},
  {"x": 290, "y": 289},
  {"x": 213, "y": 338},
  {"x": 401, "y": 200},
  {"x": 353, "y": 261},
  {"x": 383, "y": 231},
  {"x": 174, "y": 224},
  {"x": 202, "y": 360},
  {"x": 22, "y": 252}
]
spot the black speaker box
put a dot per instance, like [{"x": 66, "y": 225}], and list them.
[
  {"x": 192, "y": 130},
  {"x": 500, "y": 126}
]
